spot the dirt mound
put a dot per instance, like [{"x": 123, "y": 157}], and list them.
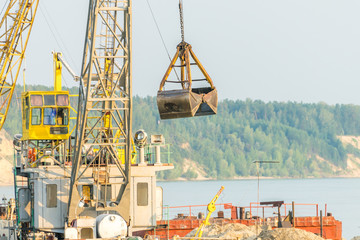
[
  {"x": 229, "y": 231},
  {"x": 243, "y": 232},
  {"x": 288, "y": 233}
]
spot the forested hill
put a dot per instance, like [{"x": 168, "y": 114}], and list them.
[{"x": 303, "y": 138}]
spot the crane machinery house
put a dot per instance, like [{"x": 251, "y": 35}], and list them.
[{"x": 46, "y": 115}]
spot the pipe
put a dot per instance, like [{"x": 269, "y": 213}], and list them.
[
  {"x": 321, "y": 224},
  {"x": 157, "y": 154},
  {"x": 142, "y": 156},
  {"x": 293, "y": 213}
]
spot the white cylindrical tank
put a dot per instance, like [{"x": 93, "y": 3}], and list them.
[{"x": 110, "y": 226}]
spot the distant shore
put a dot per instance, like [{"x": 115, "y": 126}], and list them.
[{"x": 230, "y": 179}]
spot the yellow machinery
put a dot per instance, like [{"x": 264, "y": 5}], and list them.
[
  {"x": 211, "y": 208},
  {"x": 187, "y": 101},
  {"x": 15, "y": 28},
  {"x": 45, "y": 115}
]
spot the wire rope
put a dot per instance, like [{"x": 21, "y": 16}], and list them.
[
  {"x": 181, "y": 20},
  {"x": 68, "y": 53},
  {"x": 162, "y": 39},
  {"x": 157, "y": 26},
  {"x": 3, "y": 7},
  {"x": 41, "y": 10}
]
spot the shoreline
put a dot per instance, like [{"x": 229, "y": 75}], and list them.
[
  {"x": 254, "y": 178},
  {"x": 232, "y": 179}
]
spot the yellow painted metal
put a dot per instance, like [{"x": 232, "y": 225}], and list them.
[
  {"x": 57, "y": 71},
  {"x": 121, "y": 152},
  {"x": 16, "y": 24},
  {"x": 198, "y": 63},
  {"x": 211, "y": 208},
  {"x": 168, "y": 71},
  {"x": 42, "y": 120},
  {"x": 183, "y": 52}
]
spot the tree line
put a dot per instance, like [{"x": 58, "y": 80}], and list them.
[{"x": 299, "y": 136}]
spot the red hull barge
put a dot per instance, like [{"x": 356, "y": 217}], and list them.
[{"x": 326, "y": 226}]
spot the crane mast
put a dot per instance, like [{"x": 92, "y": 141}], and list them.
[
  {"x": 15, "y": 29},
  {"x": 103, "y": 129}
]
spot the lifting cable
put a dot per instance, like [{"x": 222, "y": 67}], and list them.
[
  {"x": 157, "y": 26},
  {"x": 162, "y": 39},
  {"x": 3, "y": 8},
  {"x": 181, "y": 21},
  {"x": 55, "y": 33},
  {"x": 48, "y": 16}
]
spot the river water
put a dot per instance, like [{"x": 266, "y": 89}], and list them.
[{"x": 342, "y": 195}]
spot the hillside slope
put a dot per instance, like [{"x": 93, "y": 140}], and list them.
[{"x": 302, "y": 138}]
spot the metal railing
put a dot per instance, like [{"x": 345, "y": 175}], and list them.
[
  {"x": 189, "y": 210},
  {"x": 150, "y": 155},
  {"x": 266, "y": 211}
]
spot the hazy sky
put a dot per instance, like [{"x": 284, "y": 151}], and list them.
[{"x": 278, "y": 50}]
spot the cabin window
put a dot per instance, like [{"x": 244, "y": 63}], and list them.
[
  {"x": 27, "y": 112},
  {"x": 36, "y": 116},
  {"x": 49, "y": 100},
  {"x": 62, "y": 116},
  {"x": 36, "y": 100},
  {"x": 105, "y": 192},
  {"x": 23, "y": 108},
  {"x": 142, "y": 194},
  {"x": 51, "y": 195},
  {"x": 62, "y": 100},
  {"x": 49, "y": 116},
  {"x": 87, "y": 192}
]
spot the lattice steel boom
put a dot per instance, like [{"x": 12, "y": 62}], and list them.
[
  {"x": 15, "y": 29},
  {"x": 104, "y": 116}
]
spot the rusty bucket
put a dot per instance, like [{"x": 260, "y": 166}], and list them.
[{"x": 187, "y": 103}]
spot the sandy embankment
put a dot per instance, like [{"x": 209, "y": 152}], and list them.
[{"x": 6, "y": 159}]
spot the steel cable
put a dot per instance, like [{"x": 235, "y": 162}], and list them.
[
  {"x": 181, "y": 20},
  {"x": 3, "y": 7},
  {"x": 162, "y": 39}
]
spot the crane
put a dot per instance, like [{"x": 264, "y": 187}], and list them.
[
  {"x": 211, "y": 208},
  {"x": 105, "y": 106},
  {"x": 87, "y": 183},
  {"x": 15, "y": 27},
  {"x": 188, "y": 101}
]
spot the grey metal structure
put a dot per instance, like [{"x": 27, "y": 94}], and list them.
[
  {"x": 96, "y": 186},
  {"x": 104, "y": 113}
]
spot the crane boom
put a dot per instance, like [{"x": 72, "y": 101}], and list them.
[
  {"x": 104, "y": 106},
  {"x": 211, "y": 208},
  {"x": 15, "y": 29}
]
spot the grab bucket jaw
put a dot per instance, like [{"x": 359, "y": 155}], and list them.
[{"x": 187, "y": 103}]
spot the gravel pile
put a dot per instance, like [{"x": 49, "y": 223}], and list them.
[
  {"x": 243, "y": 232},
  {"x": 228, "y": 231},
  {"x": 288, "y": 233}
]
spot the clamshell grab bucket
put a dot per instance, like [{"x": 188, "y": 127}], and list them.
[{"x": 186, "y": 102}]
